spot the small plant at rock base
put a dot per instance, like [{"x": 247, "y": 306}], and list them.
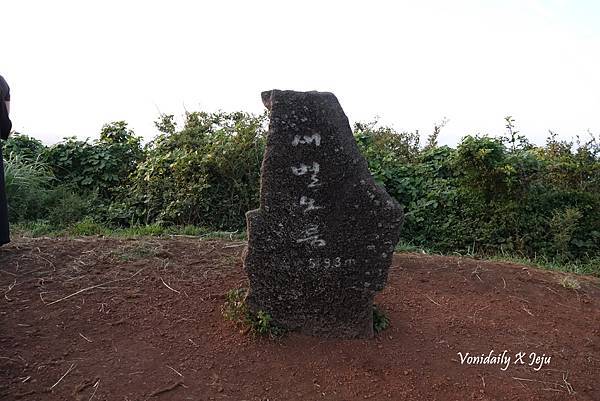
[
  {"x": 380, "y": 320},
  {"x": 236, "y": 310},
  {"x": 262, "y": 324}
]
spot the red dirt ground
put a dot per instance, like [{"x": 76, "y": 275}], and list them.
[{"x": 144, "y": 323}]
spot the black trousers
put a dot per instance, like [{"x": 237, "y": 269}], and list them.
[{"x": 4, "y": 233}]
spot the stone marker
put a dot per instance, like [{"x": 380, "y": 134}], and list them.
[{"x": 321, "y": 243}]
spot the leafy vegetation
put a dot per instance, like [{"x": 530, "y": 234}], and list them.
[
  {"x": 207, "y": 174},
  {"x": 34, "y": 193},
  {"x": 236, "y": 310},
  {"x": 103, "y": 165},
  {"x": 488, "y": 196},
  {"x": 380, "y": 320},
  {"x": 496, "y": 196}
]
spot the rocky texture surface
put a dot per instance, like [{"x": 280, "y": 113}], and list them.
[{"x": 321, "y": 243}]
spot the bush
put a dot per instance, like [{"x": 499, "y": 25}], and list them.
[
  {"x": 207, "y": 174},
  {"x": 23, "y": 146},
  {"x": 487, "y": 196},
  {"x": 102, "y": 166},
  {"x": 492, "y": 195}
]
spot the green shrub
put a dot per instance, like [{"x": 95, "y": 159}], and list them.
[
  {"x": 563, "y": 225},
  {"x": 207, "y": 174},
  {"x": 487, "y": 196},
  {"x": 23, "y": 146},
  {"x": 491, "y": 196},
  {"x": 101, "y": 166}
]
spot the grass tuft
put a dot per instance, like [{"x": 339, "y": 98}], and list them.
[
  {"x": 570, "y": 283},
  {"x": 588, "y": 267},
  {"x": 236, "y": 310},
  {"x": 405, "y": 247},
  {"x": 89, "y": 227},
  {"x": 380, "y": 320}
]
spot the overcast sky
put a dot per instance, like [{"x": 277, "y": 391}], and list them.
[{"x": 75, "y": 65}]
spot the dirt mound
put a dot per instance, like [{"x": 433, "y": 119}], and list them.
[{"x": 108, "y": 319}]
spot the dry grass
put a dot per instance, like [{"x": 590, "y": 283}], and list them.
[{"x": 570, "y": 282}]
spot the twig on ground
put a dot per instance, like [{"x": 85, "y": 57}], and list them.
[
  {"x": 10, "y": 359},
  {"x": 527, "y": 310},
  {"x": 483, "y": 380},
  {"x": 12, "y": 274},
  {"x": 42, "y": 298},
  {"x": 166, "y": 389},
  {"x": 95, "y": 389},
  {"x": 173, "y": 369},
  {"x": 570, "y": 389},
  {"x": 522, "y": 385},
  {"x": 537, "y": 381},
  {"x": 234, "y": 245},
  {"x": 566, "y": 306},
  {"x": 476, "y": 273},
  {"x": 524, "y": 379},
  {"x": 520, "y": 299},
  {"x": 169, "y": 287},
  {"x": 75, "y": 278},
  {"x": 481, "y": 309},
  {"x": 432, "y": 300},
  {"x": 504, "y": 282},
  {"x": 85, "y": 338},
  {"x": 95, "y": 286},
  {"x": 10, "y": 287},
  {"x": 85, "y": 384},
  {"x": 51, "y": 264},
  {"x": 63, "y": 376},
  {"x": 82, "y": 290},
  {"x": 184, "y": 236}
]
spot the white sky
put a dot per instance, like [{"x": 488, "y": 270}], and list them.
[{"x": 75, "y": 65}]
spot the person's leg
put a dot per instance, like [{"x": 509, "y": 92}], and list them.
[{"x": 4, "y": 232}]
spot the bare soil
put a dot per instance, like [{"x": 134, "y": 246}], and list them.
[{"x": 110, "y": 319}]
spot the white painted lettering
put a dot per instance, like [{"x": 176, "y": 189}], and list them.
[{"x": 306, "y": 139}]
